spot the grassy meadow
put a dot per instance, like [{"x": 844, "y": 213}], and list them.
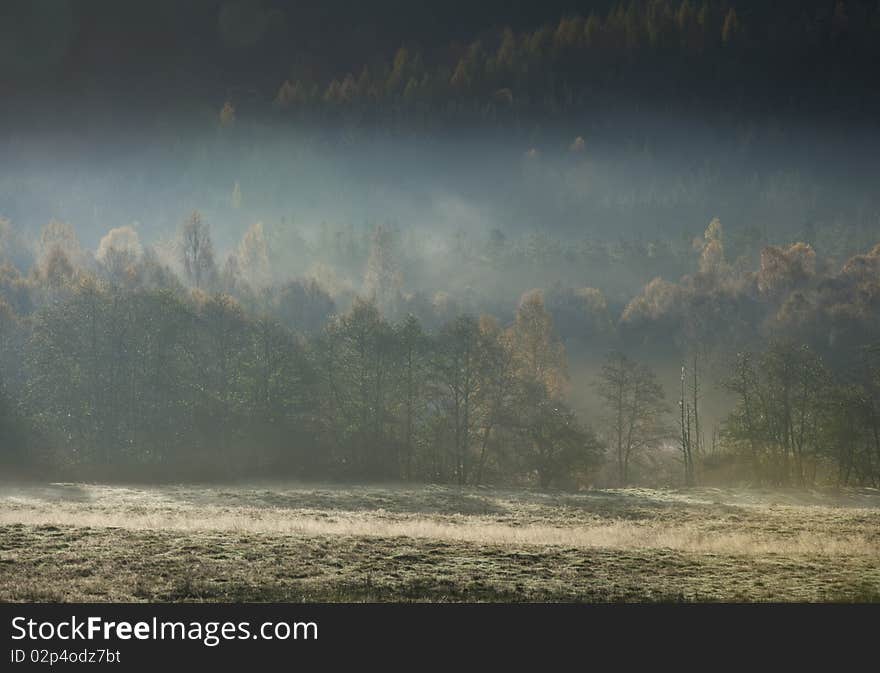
[{"x": 293, "y": 542}]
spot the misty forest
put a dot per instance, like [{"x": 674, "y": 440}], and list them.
[{"x": 611, "y": 268}]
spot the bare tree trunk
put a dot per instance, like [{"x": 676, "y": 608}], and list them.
[
  {"x": 695, "y": 447},
  {"x": 685, "y": 425},
  {"x": 408, "y": 448},
  {"x": 484, "y": 445}
]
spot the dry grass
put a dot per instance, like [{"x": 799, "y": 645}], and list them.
[{"x": 286, "y": 542}]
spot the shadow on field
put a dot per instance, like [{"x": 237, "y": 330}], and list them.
[
  {"x": 425, "y": 500},
  {"x": 441, "y": 500},
  {"x": 635, "y": 504}
]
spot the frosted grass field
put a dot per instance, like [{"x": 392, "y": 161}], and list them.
[{"x": 288, "y": 542}]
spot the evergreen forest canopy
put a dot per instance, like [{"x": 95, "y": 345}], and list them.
[{"x": 620, "y": 243}]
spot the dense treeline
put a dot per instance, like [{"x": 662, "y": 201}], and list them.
[
  {"x": 248, "y": 46},
  {"x": 707, "y": 52},
  {"x": 574, "y": 132},
  {"x": 793, "y": 415},
  {"x": 796, "y": 343},
  {"x": 426, "y": 352},
  {"x": 120, "y": 366},
  {"x": 131, "y": 362}
]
